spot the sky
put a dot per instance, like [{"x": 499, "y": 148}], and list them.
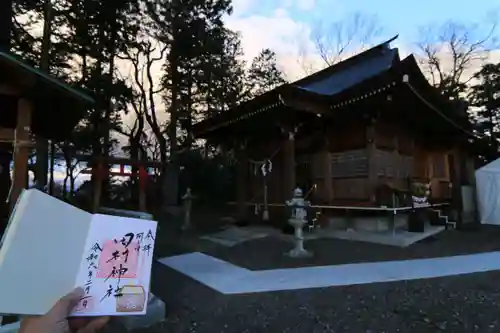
[
  {"x": 284, "y": 25},
  {"x": 287, "y": 26}
]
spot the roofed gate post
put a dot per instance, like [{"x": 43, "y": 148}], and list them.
[{"x": 21, "y": 150}]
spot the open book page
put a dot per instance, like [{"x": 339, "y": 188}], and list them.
[
  {"x": 39, "y": 257},
  {"x": 115, "y": 269}
]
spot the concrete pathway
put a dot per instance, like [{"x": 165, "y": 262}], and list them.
[{"x": 227, "y": 278}]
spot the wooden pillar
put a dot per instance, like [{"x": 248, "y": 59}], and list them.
[
  {"x": 241, "y": 182},
  {"x": 456, "y": 180},
  {"x": 371, "y": 150},
  {"x": 21, "y": 149},
  {"x": 327, "y": 172},
  {"x": 289, "y": 181},
  {"x": 471, "y": 176}
]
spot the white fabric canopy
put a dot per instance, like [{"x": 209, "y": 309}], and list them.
[{"x": 488, "y": 192}]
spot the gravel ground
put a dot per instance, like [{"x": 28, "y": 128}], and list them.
[
  {"x": 454, "y": 304},
  {"x": 267, "y": 253},
  {"x": 467, "y": 303}
]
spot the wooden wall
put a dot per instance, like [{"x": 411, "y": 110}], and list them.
[
  {"x": 401, "y": 154},
  {"x": 341, "y": 169},
  {"x": 348, "y": 164}
]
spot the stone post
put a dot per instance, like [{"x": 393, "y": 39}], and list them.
[{"x": 187, "y": 201}]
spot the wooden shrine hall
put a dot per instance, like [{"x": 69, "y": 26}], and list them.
[
  {"x": 343, "y": 132},
  {"x": 33, "y": 104}
]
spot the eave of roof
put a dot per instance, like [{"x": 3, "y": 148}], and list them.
[{"x": 25, "y": 68}]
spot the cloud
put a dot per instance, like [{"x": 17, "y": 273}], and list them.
[
  {"x": 242, "y": 6},
  {"x": 277, "y": 31},
  {"x": 305, "y": 4}
]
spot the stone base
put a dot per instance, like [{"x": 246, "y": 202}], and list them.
[
  {"x": 155, "y": 313},
  {"x": 299, "y": 254}
]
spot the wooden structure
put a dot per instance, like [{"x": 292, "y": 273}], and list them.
[
  {"x": 32, "y": 102},
  {"x": 100, "y": 171},
  {"x": 372, "y": 119}
]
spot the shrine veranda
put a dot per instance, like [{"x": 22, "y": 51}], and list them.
[{"x": 346, "y": 133}]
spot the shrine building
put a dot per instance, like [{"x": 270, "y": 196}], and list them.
[{"x": 345, "y": 131}]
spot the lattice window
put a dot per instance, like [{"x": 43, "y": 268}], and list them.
[
  {"x": 385, "y": 163},
  {"x": 353, "y": 163}
]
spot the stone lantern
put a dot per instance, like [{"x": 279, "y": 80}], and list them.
[{"x": 298, "y": 219}]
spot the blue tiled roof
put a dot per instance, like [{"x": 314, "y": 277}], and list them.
[{"x": 350, "y": 76}]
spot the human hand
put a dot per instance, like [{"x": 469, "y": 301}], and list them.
[{"x": 56, "y": 320}]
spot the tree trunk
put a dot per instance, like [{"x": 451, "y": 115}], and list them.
[
  {"x": 106, "y": 128},
  {"x": 52, "y": 160},
  {"x": 42, "y": 149},
  {"x": 170, "y": 174}
]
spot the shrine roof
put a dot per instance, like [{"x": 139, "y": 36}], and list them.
[
  {"x": 45, "y": 78},
  {"x": 372, "y": 72},
  {"x": 334, "y": 79},
  {"x": 57, "y": 106}
]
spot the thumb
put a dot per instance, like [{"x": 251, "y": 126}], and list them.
[
  {"x": 66, "y": 304},
  {"x": 94, "y": 325}
]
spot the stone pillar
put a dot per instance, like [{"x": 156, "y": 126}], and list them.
[
  {"x": 187, "y": 200},
  {"x": 289, "y": 182},
  {"x": 241, "y": 182},
  {"x": 21, "y": 150}
]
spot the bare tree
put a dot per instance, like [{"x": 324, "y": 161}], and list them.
[
  {"x": 450, "y": 53},
  {"x": 144, "y": 104},
  {"x": 334, "y": 41}
]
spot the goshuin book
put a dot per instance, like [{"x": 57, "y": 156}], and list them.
[{"x": 50, "y": 247}]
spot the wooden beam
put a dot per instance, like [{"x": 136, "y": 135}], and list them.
[
  {"x": 307, "y": 106},
  {"x": 21, "y": 152},
  {"x": 8, "y": 135},
  {"x": 112, "y": 173},
  {"x": 123, "y": 161}
]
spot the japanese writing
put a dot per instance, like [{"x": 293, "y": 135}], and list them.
[
  {"x": 121, "y": 260},
  {"x": 148, "y": 243},
  {"x": 92, "y": 258}
]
